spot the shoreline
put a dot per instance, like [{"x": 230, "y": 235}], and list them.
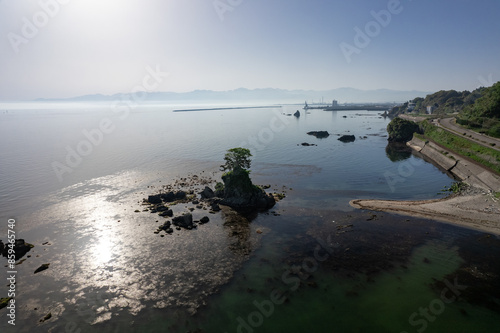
[
  {"x": 475, "y": 207},
  {"x": 477, "y": 210}
]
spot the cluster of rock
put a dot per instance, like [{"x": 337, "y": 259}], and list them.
[
  {"x": 319, "y": 134},
  {"x": 183, "y": 221},
  {"x": 237, "y": 192},
  {"x": 325, "y": 134},
  {"x": 167, "y": 197},
  {"x": 20, "y": 248},
  {"x": 347, "y": 138},
  {"x": 157, "y": 205},
  {"x": 240, "y": 194}
]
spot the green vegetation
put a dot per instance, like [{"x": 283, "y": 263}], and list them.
[
  {"x": 240, "y": 179},
  {"x": 4, "y": 302},
  {"x": 467, "y": 104},
  {"x": 237, "y": 158},
  {"x": 237, "y": 182},
  {"x": 483, "y": 155},
  {"x": 401, "y": 130},
  {"x": 444, "y": 102},
  {"x": 484, "y": 115},
  {"x": 456, "y": 187},
  {"x": 478, "y": 110},
  {"x": 497, "y": 195}
]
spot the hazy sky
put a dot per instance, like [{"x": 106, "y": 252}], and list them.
[{"x": 65, "y": 48}]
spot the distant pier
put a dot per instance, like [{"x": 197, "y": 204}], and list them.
[
  {"x": 351, "y": 107},
  {"x": 231, "y": 108}
]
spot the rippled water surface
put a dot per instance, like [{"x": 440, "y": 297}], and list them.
[{"x": 311, "y": 264}]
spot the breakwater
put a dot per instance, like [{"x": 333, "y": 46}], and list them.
[{"x": 462, "y": 168}]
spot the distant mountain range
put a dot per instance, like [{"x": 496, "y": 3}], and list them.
[{"x": 342, "y": 95}]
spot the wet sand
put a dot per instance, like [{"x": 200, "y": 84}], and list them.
[{"x": 472, "y": 210}]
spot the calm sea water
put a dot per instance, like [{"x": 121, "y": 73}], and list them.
[{"x": 72, "y": 177}]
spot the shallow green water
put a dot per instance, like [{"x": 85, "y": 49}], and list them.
[{"x": 386, "y": 303}]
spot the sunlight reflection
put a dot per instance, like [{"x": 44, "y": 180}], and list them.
[{"x": 103, "y": 251}]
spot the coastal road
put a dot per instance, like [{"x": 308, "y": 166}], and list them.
[
  {"x": 412, "y": 118},
  {"x": 484, "y": 140}
]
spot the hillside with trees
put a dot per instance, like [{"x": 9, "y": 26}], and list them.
[
  {"x": 444, "y": 102},
  {"x": 484, "y": 115}
]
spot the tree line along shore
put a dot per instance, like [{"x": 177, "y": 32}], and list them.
[{"x": 475, "y": 203}]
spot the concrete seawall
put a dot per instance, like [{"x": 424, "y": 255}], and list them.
[{"x": 465, "y": 170}]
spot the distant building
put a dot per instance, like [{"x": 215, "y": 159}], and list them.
[
  {"x": 411, "y": 106},
  {"x": 430, "y": 109},
  {"x": 335, "y": 103}
]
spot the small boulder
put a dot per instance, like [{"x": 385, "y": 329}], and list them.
[
  {"x": 184, "y": 221},
  {"x": 167, "y": 213},
  {"x": 20, "y": 248},
  {"x": 207, "y": 193},
  {"x": 319, "y": 134},
  {"x": 168, "y": 197},
  {"x": 180, "y": 195},
  {"x": 165, "y": 226},
  {"x": 215, "y": 207},
  {"x": 347, "y": 138},
  {"x": 204, "y": 220},
  {"x": 154, "y": 199},
  {"x": 42, "y": 268},
  {"x": 297, "y": 114},
  {"x": 161, "y": 208}
]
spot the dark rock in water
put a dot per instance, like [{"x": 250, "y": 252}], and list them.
[
  {"x": 204, "y": 220},
  {"x": 207, "y": 193},
  {"x": 180, "y": 195},
  {"x": 401, "y": 130},
  {"x": 344, "y": 116},
  {"x": 47, "y": 317},
  {"x": 42, "y": 268},
  {"x": 297, "y": 114},
  {"x": 184, "y": 221},
  {"x": 319, "y": 134},
  {"x": 20, "y": 248},
  {"x": 161, "y": 208},
  {"x": 307, "y": 144},
  {"x": 241, "y": 194},
  {"x": 154, "y": 199},
  {"x": 347, "y": 138},
  {"x": 168, "y": 197},
  {"x": 219, "y": 190},
  {"x": 166, "y": 213},
  {"x": 165, "y": 226},
  {"x": 215, "y": 207}
]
